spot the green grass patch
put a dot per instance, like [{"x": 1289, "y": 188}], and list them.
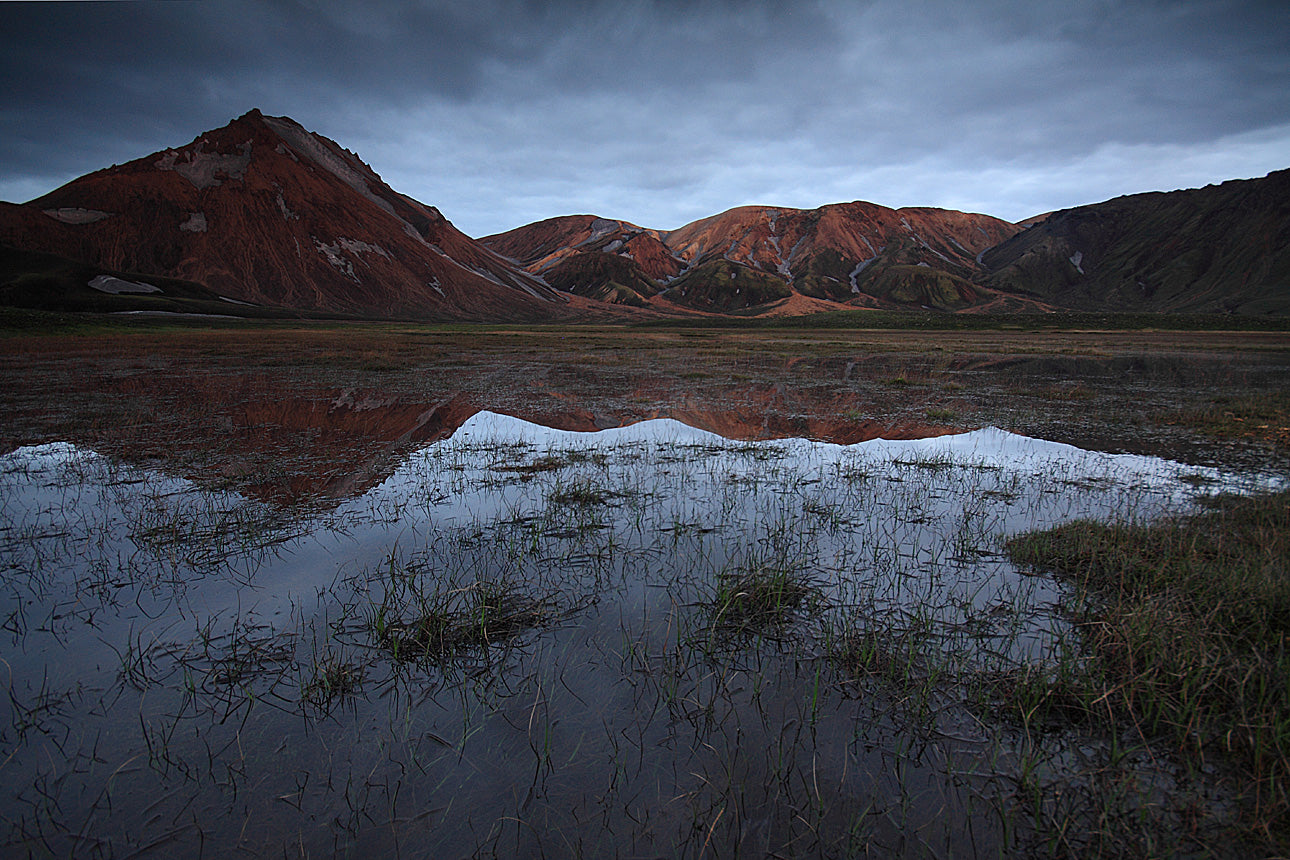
[
  {"x": 580, "y": 494},
  {"x": 449, "y": 622},
  {"x": 757, "y": 600},
  {"x": 1184, "y": 624}
]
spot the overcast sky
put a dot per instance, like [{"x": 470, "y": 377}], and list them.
[{"x": 502, "y": 112}]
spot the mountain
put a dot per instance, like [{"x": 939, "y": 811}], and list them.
[
  {"x": 264, "y": 218},
  {"x": 265, "y": 212},
  {"x": 1223, "y": 248},
  {"x": 857, "y": 254},
  {"x": 612, "y": 261}
]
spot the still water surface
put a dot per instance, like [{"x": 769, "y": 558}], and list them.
[{"x": 189, "y": 671}]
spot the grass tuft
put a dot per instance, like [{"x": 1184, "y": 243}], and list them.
[
  {"x": 333, "y": 680},
  {"x": 470, "y": 618},
  {"x": 758, "y": 599}
]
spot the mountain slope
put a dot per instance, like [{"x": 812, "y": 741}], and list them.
[
  {"x": 599, "y": 258},
  {"x": 752, "y": 256},
  {"x": 857, "y": 253},
  {"x": 264, "y": 211},
  {"x": 1223, "y": 248}
]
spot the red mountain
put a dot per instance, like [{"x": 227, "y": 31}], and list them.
[
  {"x": 607, "y": 260},
  {"x": 856, "y": 254},
  {"x": 266, "y": 212}
]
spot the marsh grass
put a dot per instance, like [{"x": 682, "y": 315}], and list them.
[
  {"x": 1184, "y": 621},
  {"x": 776, "y": 665},
  {"x": 871, "y": 649},
  {"x": 449, "y": 622},
  {"x": 1262, "y": 416},
  {"x": 759, "y": 600},
  {"x": 580, "y": 493},
  {"x": 333, "y": 680}
]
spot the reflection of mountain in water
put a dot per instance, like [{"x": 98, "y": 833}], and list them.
[
  {"x": 359, "y": 438},
  {"x": 283, "y": 443}
]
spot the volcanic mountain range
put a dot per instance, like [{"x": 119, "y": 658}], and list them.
[{"x": 264, "y": 214}]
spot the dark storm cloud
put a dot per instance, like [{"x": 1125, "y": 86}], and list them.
[{"x": 502, "y": 111}]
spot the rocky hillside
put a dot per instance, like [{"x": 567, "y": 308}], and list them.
[
  {"x": 1223, "y": 248},
  {"x": 611, "y": 261},
  {"x": 265, "y": 212},
  {"x": 857, "y": 254}
]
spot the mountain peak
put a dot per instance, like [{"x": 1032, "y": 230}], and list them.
[{"x": 262, "y": 210}]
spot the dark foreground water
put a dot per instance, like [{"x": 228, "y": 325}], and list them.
[{"x": 531, "y": 642}]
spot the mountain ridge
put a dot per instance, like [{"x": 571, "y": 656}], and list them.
[
  {"x": 1223, "y": 248},
  {"x": 855, "y": 254},
  {"x": 264, "y": 212}
]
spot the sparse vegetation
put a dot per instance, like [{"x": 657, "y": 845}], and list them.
[
  {"x": 443, "y": 624},
  {"x": 1262, "y": 417}
]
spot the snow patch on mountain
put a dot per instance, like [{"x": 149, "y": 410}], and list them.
[
  {"x": 116, "y": 286},
  {"x": 797, "y": 246},
  {"x": 202, "y": 168},
  {"x": 332, "y": 254},
  {"x": 196, "y": 223},
  {"x": 860, "y": 267},
  {"x": 600, "y": 228},
  {"x": 319, "y": 153},
  {"x": 355, "y": 247},
  {"x": 287, "y": 214},
  {"x": 76, "y": 215}
]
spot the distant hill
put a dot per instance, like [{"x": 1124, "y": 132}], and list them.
[
  {"x": 1220, "y": 249},
  {"x": 858, "y": 254},
  {"x": 611, "y": 261}
]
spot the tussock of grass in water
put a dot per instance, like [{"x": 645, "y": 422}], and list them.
[
  {"x": 580, "y": 494},
  {"x": 542, "y": 464},
  {"x": 758, "y": 599},
  {"x": 877, "y": 650},
  {"x": 475, "y": 617},
  {"x": 333, "y": 680},
  {"x": 1185, "y": 622}
]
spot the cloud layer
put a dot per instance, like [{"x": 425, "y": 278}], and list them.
[{"x": 501, "y": 112}]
